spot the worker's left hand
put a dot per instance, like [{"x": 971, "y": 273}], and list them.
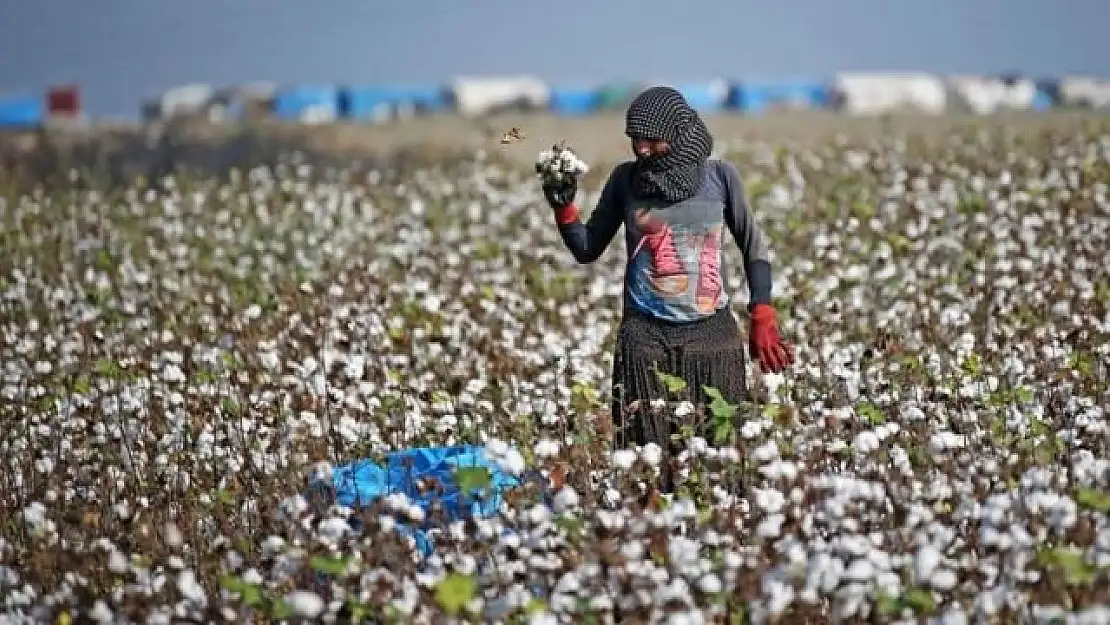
[{"x": 772, "y": 353}]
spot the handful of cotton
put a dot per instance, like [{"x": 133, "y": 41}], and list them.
[{"x": 559, "y": 163}]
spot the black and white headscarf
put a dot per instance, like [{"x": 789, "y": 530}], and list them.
[{"x": 662, "y": 113}]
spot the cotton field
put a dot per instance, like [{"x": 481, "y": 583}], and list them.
[{"x": 178, "y": 364}]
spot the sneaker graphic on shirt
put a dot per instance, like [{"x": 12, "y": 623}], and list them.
[
  {"x": 709, "y": 272},
  {"x": 668, "y": 276}
]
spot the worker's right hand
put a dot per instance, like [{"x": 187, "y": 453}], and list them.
[{"x": 560, "y": 194}]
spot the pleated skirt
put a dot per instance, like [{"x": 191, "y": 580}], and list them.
[{"x": 710, "y": 352}]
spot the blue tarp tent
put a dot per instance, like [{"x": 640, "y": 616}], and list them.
[
  {"x": 706, "y": 97},
  {"x": 574, "y": 101},
  {"x": 1048, "y": 94},
  {"x": 361, "y": 483},
  {"x": 382, "y": 101},
  {"x": 306, "y": 103},
  {"x": 760, "y": 97},
  {"x": 21, "y": 111}
]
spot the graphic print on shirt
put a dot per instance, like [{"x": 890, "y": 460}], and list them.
[
  {"x": 674, "y": 270},
  {"x": 709, "y": 271},
  {"x": 668, "y": 275}
]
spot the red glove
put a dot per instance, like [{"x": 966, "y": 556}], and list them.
[
  {"x": 766, "y": 345},
  {"x": 567, "y": 214}
]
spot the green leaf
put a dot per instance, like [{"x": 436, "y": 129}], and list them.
[
  {"x": 573, "y": 526},
  {"x": 718, "y": 406},
  {"x": 673, "y": 383},
  {"x": 1070, "y": 562},
  {"x": 1024, "y": 395},
  {"x": 862, "y": 210},
  {"x": 359, "y": 611},
  {"x": 584, "y": 398},
  {"x": 472, "y": 478},
  {"x": 82, "y": 386},
  {"x": 886, "y": 604},
  {"x": 249, "y": 594},
  {"x": 871, "y": 413},
  {"x": 106, "y": 367},
  {"x": 972, "y": 365},
  {"x": 281, "y": 610},
  {"x": 232, "y": 583},
  {"x": 454, "y": 592},
  {"x": 535, "y": 605},
  {"x": 329, "y": 565},
  {"x": 1093, "y": 499},
  {"x": 919, "y": 600},
  {"x": 722, "y": 432},
  {"x": 229, "y": 406}
]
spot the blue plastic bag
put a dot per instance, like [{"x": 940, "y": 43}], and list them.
[{"x": 361, "y": 483}]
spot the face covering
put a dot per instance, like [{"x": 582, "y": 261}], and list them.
[{"x": 662, "y": 113}]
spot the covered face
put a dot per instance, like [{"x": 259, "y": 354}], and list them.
[
  {"x": 655, "y": 118},
  {"x": 671, "y": 144}
]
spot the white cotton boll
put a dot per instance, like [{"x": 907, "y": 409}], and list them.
[
  {"x": 710, "y": 584},
  {"x": 305, "y": 603},
  {"x": 624, "y": 459},
  {"x": 512, "y": 462},
  {"x": 117, "y": 562},
  {"x": 269, "y": 360},
  {"x": 766, "y": 452},
  {"x": 652, "y": 454},
  {"x": 751, "y": 429},
  {"x": 101, "y": 613},
  {"x": 866, "y": 442},
  {"x": 565, "y": 499},
  {"x": 190, "y": 588},
  {"x": 497, "y": 447},
  {"x": 172, "y": 373},
  {"x": 771, "y": 527},
  {"x": 555, "y": 164},
  {"x": 769, "y": 500},
  {"x": 546, "y": 448},
  {"x": 943, "y": 579},
  {"x": 698, "y": 446}
]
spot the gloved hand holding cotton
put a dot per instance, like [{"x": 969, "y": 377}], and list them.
[{"x": 558, "y": 164}]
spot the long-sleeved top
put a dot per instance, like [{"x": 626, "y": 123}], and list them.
[{"x": 673, "y": 270}]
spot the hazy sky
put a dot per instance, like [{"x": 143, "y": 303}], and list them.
[{"x": 123, "y": 50}]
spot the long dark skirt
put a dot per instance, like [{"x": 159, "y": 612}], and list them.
[{"x": 711, "y": 352}]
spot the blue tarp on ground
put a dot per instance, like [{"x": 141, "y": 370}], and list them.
[
  {"x": 361, "y": 483},
  {"x": 759, "y": 97},
  {"x": 574, "y": 101},
  {"x": 381, "y": 101},
  {"x": 306, "y": 102},
  {"x": 21, "y": 111}
]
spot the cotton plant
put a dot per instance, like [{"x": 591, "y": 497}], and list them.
[{"x": 191, "y": 358}]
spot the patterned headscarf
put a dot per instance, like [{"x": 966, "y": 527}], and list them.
[{"x": 662, "y": 113}]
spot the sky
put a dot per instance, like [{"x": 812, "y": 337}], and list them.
[{"x": 121, "y": 51}]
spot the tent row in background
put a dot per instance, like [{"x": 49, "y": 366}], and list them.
[{"x": 849, "y": 93}]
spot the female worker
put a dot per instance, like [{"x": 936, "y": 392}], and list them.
[{"x": 675, "y": 203}]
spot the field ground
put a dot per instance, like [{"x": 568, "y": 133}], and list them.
[
  {"x": 176, "y": 363},
  {"x": 598, "y": 139}
]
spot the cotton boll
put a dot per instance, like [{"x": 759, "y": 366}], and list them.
[
  {"x": 306, "y": 604},
  {"x": 624, "y": 459},
  {"x": 652, "y": 454}
]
